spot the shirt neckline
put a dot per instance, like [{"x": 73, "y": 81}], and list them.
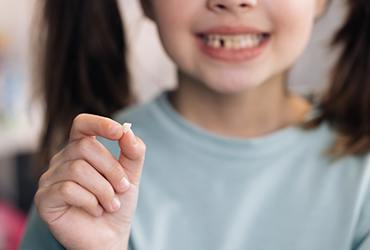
[{"x": 204, "y": 141}]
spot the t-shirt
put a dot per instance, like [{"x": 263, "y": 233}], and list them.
[{"x": 201, "y": 191}]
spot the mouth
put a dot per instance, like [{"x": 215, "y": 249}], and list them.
[
  {"x": 234, "y": 41},
  {"x": 233, "y": 44}
]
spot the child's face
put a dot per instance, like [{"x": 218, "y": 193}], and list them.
[{"x": 232, "y": 45}]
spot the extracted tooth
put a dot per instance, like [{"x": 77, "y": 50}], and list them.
[{"x": 126, "y": 127}]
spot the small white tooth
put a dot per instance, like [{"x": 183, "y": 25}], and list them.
[
  {"x": 126, "y": 127},
  {"x": 233, "y": 43},
  {"x": 237, "y": 42},
  {"x": 228, "y": 43},
  {"x": 216, "y": 44},
  {"x": 243, "y": 42},
  {"x": 255, "y": 40},
  {"x": 249, "y": 42}
]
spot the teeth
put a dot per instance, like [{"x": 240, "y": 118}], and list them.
[{"x": 233, "y": 42}]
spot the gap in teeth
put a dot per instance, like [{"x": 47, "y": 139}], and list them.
[{"x": 234, "y": 42}]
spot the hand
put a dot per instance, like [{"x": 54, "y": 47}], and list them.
[{"x": 87, "y": 197}]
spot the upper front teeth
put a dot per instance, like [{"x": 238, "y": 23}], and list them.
[{"x": 233, "y": 42}]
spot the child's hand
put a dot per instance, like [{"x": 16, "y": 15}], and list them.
[{"x": 83, "y": 197}]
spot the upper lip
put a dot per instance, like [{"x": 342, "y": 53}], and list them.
[{"x": 231, "y": 30}]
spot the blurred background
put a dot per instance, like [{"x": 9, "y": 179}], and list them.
[{"x": 21, "y": 113}]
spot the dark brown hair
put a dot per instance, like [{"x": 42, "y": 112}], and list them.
[
  {"x": 83, "y": 67},
  {"x": 346, "y": 104}
]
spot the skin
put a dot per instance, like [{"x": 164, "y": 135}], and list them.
[
  {"x": 76, "y": 195},
  {"x": 230, "y": 98},
  {"x": 243, "y": 99}
]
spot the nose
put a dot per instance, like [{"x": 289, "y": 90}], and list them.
[{"x": 234, "y": 6}]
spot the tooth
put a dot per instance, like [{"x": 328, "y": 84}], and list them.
[
  {"x": 242, "y": 42},
  {"x": 255, "y": 40},
  {"x": 228, "y": 42},
  {"x": 249, "y": 42},
  {"x": 216, "y": 43},
  {"x": 211, "y": 40},
  {"x": 237, "y": 42},
  {"x": 233, "y": 42}
]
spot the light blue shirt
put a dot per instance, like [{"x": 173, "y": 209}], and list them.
[{"x": 200, "y": 191}]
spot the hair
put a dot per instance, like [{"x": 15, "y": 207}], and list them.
[
  {"x": 346, "y": 104},
  {"x": 82, "y": 68}
]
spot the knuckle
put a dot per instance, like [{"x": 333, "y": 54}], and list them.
[
  {"x": 78, "y": 119},
  {"x": 77, "y": 169},
  {"x": 106, "y": 125},
  {"x": 92, "y": 201},
  {"x": 54, "y": 158},
  {"x": 85, "y": 145},
  {"x": 100, "y": 149},
  {"x": 105, "y": 193},
  {"x": 66, "y": 189},
  {"x": 43, "y": 179},
  {"x": 116, "y": 171}
]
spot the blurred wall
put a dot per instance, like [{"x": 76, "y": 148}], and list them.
[{"x": 19, "y": 121}]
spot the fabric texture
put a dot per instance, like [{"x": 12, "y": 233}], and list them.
[{"x": 201, "y": 191}]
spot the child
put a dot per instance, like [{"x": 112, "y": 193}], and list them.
[{"x": 229, "y": 163}]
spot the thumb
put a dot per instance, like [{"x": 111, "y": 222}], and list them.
[{"x": 132, "y": 154}]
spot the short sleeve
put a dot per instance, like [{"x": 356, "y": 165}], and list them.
[
  {"x": 362, "y": 241},
  {"x": 362, "y": 238},
  {"x": 365, "y": 245}
]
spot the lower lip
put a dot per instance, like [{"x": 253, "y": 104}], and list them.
[{"x": 233, "y": 55}]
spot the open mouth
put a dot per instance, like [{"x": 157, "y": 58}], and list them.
[{"x": 234, "y": 42}]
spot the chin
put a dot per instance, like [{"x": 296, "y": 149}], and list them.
[{"x": 232, "y": 85}]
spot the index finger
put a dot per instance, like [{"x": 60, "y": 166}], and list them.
[{"x": 85, "y": 125}]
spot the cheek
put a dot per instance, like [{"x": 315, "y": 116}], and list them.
[
  {"x": 173, "y": 13},
  {"x": 173, "y": 25},
  {"x": 292, "y": 25}
]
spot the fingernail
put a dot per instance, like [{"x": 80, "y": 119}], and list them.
[
  {"x": 116, "y": 204},
  {"x": 124, "y": 184}
]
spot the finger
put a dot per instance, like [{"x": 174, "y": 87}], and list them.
[
  {"x": 92, "y": 151},
  {"x": 132, "y": 155},
  {"x": 85, "y": 175},
  {"x": 55, "y": 201},
  {"x": 85, "y": 125}
]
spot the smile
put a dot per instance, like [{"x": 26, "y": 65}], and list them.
[
  {"x": 234, "y": 42},
  {"x": 233, "y": 45}
]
